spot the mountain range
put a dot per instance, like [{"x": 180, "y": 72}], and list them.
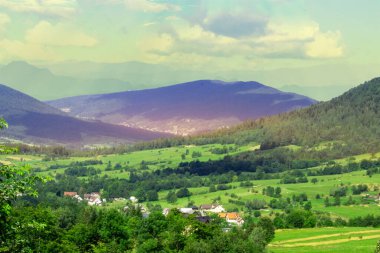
[
  {"x": 33, "y": 121},
  {"x": 82, "y": 78},
  {"x": 185, "y": 108},
  {"x": 40, "y": 82}
]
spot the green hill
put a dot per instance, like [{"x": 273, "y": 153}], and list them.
[{"x": 348, "y": 123}]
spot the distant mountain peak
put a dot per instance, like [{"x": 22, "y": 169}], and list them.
[{"x": 185, "y": 108}]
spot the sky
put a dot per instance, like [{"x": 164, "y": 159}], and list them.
[{"x": 279, "y": 42}]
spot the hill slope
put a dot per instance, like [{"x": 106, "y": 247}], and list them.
[
  {"x": 346, "y": 125},
  {"x": 350, "y": 122},
  {"x": 33, "y": 121},
  {"x": 185, "y": 108}
]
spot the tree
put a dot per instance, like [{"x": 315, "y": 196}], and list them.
[
  {"x": 307, "y": 206},
  {"x": 377, "y": 250},
  {"x": 314, "y": 180},
  {"x": 267, "y": 225},
  {"x": 278, "y": 192},
  {"x": 14, "y": 182},
  {"x": 152, "y": 195},
  {"x": 183, "y": 192},
  {"x": 337, "y": 201},
  {"x": 296, "y": 219},
  {"x": 327, "y": 202},
  {"x": 171, "y": 197}
]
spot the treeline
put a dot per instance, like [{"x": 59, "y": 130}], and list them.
[
  {"x": 68, "y": 226},
  {"x": 142, "y": 185},
  {"x": 301, "y": 218}
]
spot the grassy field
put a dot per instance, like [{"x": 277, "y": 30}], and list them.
[
  {"x": 201, "y": 195},
  {"x": 313, "y": 240},
  {"x": 153, "y": 159},
  {"x": 170, "y": 157}
]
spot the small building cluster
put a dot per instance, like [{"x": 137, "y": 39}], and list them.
[
  {"x": 203, "y": 213},
  {"x": 93, "y": 199},
  {"x": 232, "y": 218}
]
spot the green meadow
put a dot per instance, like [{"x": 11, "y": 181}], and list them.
[
  {"x": 202, "y": 195},
  {"x": 330, "y": 240},
  {"x": 170, "y": 157},
  {"x": 153, "y": 159}
]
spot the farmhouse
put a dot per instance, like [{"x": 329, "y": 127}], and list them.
[
  {"x": 212, "y": 208},
  {"x": 187, "y": 210},
  {"x": 70, "y": 194},
  {"x": 93, "y": 198},
  {"x": 73, "y": 195},
  {"x": 232, "y": 218}
]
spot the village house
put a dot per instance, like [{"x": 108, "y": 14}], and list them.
[
  {"x": 93, "y": 199},
  {"x": 187, "y": 210},
  {"x": 232, "y": 218},
  {"x": 212, "y": 208},
  {"x": 73, "y": 195},
  {"x": 133, "y": 199},
  {"x": 69, "y": 194}
]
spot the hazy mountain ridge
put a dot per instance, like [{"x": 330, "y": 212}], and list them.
[
  {"x": 40, "y": 82},
  {"x": 31, "y": 120},
  {"x": 185, "y": 108}
]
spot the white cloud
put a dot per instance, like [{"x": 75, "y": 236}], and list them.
[
  {"x": 304, "y": 40},
  {"x": 12, "y": 49},
  {"x": 60, "y": 34},
  {"x": 60, "y": 8},
  {"x": 281, "y": 41},
  {"x": 150, "y": 6},
  {"x": 162, "y": 43},
  {"x": 280, "y": 32},
  {"x": 325, "y": 45},
  {"x": 4, "y": 20}
]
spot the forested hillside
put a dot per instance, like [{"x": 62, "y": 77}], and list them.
[{"x": 348, "y": 122}]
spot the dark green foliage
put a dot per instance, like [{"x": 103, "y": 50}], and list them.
[
  {"x": 183, "y": 192},
  {"x": 358, "y": 189},
  {"x": 152, "y": 195},
  {"x": 338, "y": 191},
  {"x": 14, "y": 181},
  {"x": 377, "y": 250},
  {"x": 255, "y": 204},
  {"x": 272, "y": 192},
  {"x": 196, "y": 154},
  {"x": 171, "y": 197}
]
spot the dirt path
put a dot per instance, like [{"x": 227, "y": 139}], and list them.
[{"x": 327, "y": 236}]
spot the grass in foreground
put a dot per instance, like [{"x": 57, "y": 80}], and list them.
[{"x": 313, "y": 240}]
